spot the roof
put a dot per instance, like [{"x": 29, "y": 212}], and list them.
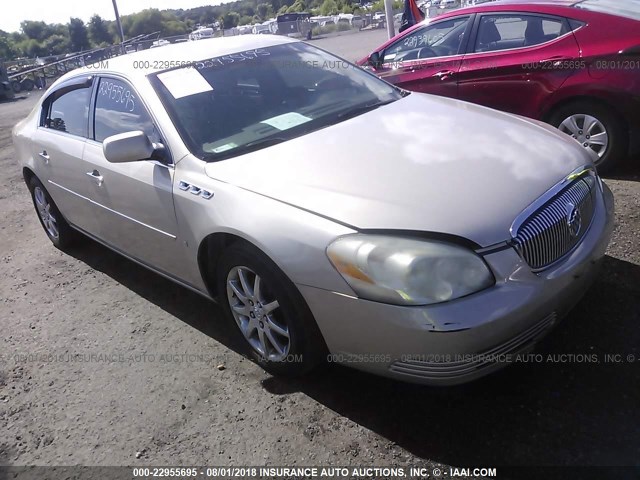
[
  {"x": 153, "y": 60},
  {"x": 519, "y": 3}
]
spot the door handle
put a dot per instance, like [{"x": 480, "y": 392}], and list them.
[
  {"x": 444, "y": 74},
  {"x": 555, "y": 61},
  {"x": 45, "y": 156},
  {"x": 95, "y": 175}
]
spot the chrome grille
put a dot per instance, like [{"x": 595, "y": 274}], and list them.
[{"x": 555, "y": 229}]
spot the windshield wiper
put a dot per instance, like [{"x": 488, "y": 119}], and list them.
[
  {"x": 246, "y": 148},
  {"x": 360, "y": 109}
]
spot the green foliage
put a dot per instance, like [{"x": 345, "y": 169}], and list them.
[
  {"x": 99, "y": 31},
  {"x": 56, "y": 44},
  {"x": 264, "y": 11},
  {"x": 35, "y": 30},
  {"x": 7, "y": 46},
  {"x": 78, "y": 35},
  {"x": 230, "y": 20},
  {"x": 329, "y": 7},
  {"x": 379, "y": 6},
  {"x": 298, "y": 6}
]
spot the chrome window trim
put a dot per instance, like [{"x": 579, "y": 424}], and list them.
[
  {"x": 470, "y": 19},
  {"x": 570, "y": 32},
  {"x": 73, "y": 81}
]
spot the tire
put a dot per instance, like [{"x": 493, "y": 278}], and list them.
[
  {"x": 55, "y": 226},
  {"x": 275, "y": 314},
  {"x": 607, "y": 121},
  {"x": 27, "y": 84},
  {"x": 15, "y": 85}
]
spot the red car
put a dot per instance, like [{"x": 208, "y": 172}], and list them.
[{"x": 573, "y": 64}]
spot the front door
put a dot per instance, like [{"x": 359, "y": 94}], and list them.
[
  {"x": 428, "y": 58},
  {"x": 136, "y": 213}
]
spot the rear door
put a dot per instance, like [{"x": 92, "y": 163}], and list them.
[
  {"x": 428, "y": 58},
  {"x": 516, "y": 60},
  {"x": 58, "y": 149}
]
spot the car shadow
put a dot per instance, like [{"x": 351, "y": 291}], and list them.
[
  {"x": 188, "y": 306},
  {"x": 628, "y": 170},
  {"x": 12, "y": 99},
  {"x": 572, "y": 406}
]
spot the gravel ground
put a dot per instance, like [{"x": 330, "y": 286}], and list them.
[{"x": 60, "y": 406}]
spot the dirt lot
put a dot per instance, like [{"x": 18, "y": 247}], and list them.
[{"x": 60, "y": 405}]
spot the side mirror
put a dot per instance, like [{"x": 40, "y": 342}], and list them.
[
  {"x": 374, "y": 60},
  {"x": 128, "y": 147}
]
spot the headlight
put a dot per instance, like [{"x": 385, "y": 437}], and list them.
[{"x": 404, "y": 271}]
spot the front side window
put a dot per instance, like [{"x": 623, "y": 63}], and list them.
[
  {"x": 438, "y": 40},
  {"x": 119, "y": 110},
  {"x": 70, "y": 112},
  {"x": 225, "y": 106},
  {"x": 503, "y": 32}
]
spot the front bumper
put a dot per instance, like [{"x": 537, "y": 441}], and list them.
[{"x": 459, "y": 341}]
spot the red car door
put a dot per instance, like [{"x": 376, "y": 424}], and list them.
[
  {"x": 516, "y": 61},
  {"x": 428, "y": 58}
]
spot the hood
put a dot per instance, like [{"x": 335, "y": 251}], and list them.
[{"x": 422, "y": 163}]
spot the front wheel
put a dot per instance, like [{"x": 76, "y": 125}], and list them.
[
  {"x": 277, "y": 325},
  {"x": 598, "y": 129}
]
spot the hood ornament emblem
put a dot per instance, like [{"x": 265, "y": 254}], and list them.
[{"x": 574, "y": 220}]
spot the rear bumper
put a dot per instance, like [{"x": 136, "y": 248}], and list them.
[{"x": 459, "y": 341}]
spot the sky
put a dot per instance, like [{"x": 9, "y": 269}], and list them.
[{"x": 59, "y": 11}]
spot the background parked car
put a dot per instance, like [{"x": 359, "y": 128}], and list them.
[
  {"x": 573, "y": 65},
  {"x": 6, "y": 90},
  {"x": 449, "y": 4}
]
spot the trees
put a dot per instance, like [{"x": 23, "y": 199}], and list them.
[
  {"x": 35, "y": 30},
  {"x": 78, "y": 36},
  {"x": 329, "y": 7},
  {"x": 264, "y": 11},
  {"x": 230, "y": 19},
  {"x": 298, "y": 6},
  {"x": 99, "y": 31},
  {"x": 7, "y": 47}
]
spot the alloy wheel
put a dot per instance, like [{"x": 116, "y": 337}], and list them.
[
  {"x": 256, "y": 311},
  {"x": 44, "y": 210},
  {"x": 589, "y": 131}
]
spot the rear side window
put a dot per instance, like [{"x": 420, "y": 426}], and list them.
[
  {"x": 119, "y": 110},
  {"x": 70, "y": 112},
  {"x": 503, "y": 32}
]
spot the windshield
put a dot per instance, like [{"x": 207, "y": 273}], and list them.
[
  {"x": 612, "y": 7},
  {"x": 249, "y": 100}
]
